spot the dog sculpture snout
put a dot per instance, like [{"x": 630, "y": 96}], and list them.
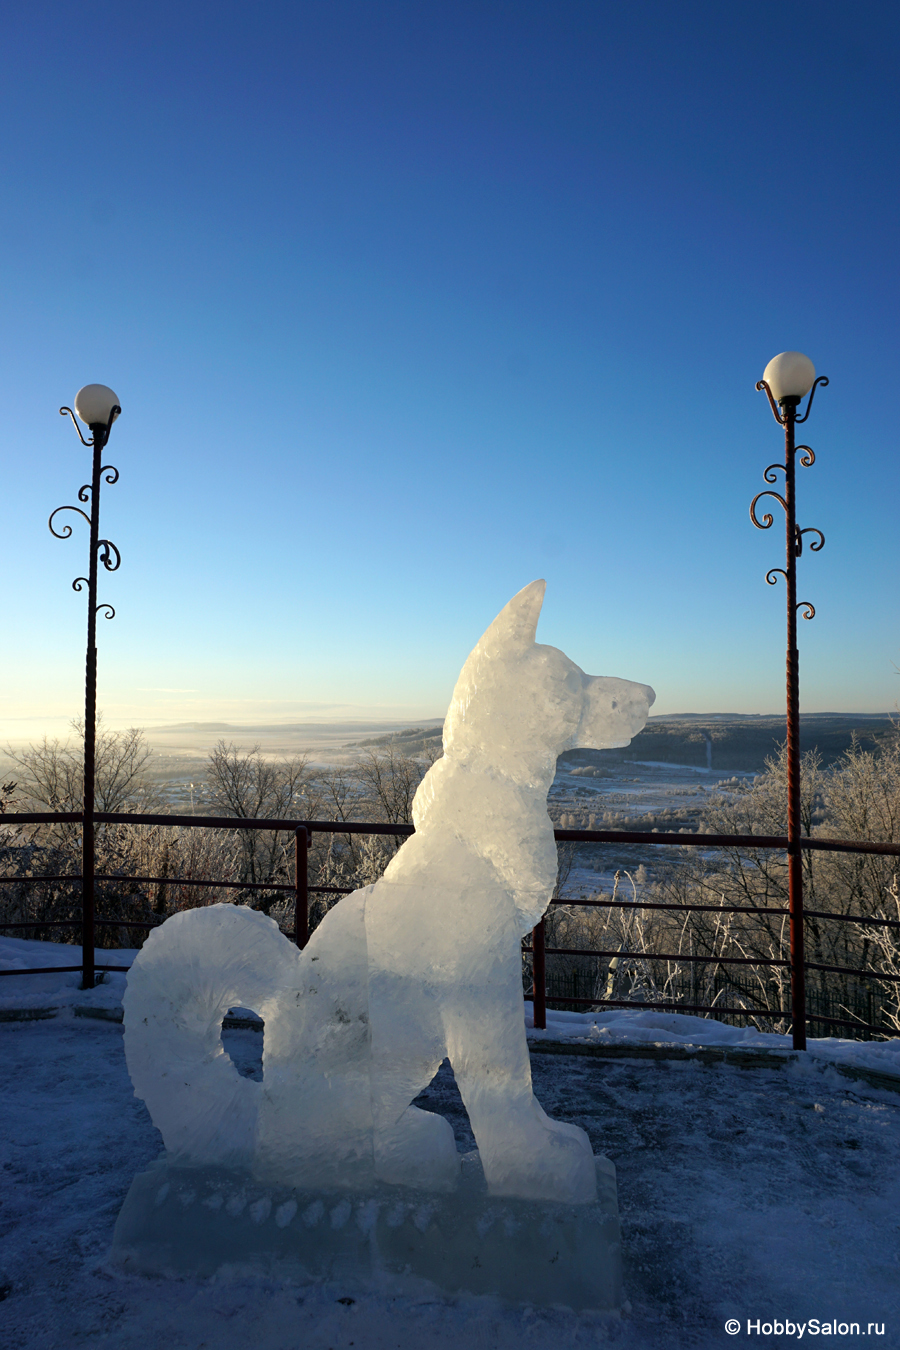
[{"x": 614, "y": 711}]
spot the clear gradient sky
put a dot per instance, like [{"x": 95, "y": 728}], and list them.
[{"x": 410, "y": 303}]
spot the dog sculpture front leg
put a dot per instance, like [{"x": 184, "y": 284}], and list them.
[
  {"x": 523, "y": 1152},
  {"x": 411, "y": 1147}
]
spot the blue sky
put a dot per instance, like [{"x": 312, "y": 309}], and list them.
[{"x": 408, "y": 304}]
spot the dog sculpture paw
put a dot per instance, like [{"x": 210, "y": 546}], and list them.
[
  {"x": 543, "y": 1159},
  {"x": 420, "y": 1151}
]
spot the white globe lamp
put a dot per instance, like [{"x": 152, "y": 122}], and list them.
[
  {"x": 790, "y": 375},
  {"x": 94, "y": 404}
]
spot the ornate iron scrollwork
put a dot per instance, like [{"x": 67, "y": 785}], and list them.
[
  {"x": 814, "y": 547},
  {"x": 109, "y": 548},
  {"x": 807, "y": 457},
  {"x": 779, "y": 417},
  {"x": 768, "y": 519},
  {"x": 66, "y": 529},
  {"x": 821, "y": 380},
  {"x": 761, "y": 384},
  {"x": 62, "y": 413},
  {"x": 109, "y": 554}
]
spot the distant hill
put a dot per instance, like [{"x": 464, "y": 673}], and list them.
[
  {"x": 411, "y": 741},
  {"x": 736, "y": 742},
  {"x": 721, "y": 741}
]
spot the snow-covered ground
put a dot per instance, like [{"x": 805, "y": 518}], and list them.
[
  {"x": 615, "y": 1027},
  {"x": 764, "y": 1193},
  {"x": 623, "y": 1027}
]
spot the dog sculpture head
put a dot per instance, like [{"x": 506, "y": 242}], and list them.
[{"x": 517, "y": 705}]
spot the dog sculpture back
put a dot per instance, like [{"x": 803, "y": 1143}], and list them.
[{"x": 421, "y": 966}]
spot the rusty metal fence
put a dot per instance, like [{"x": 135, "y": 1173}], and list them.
[{"x": 536, "y": 949}]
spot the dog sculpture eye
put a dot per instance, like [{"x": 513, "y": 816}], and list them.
[{"x": 615, "y": 703}]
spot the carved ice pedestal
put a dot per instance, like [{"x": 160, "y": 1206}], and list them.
[{"x": 201, "y": 1221}]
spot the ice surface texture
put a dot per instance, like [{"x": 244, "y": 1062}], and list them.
[{"x": 425, "y": 964}]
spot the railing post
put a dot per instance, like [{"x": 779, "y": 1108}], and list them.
[
  {"x": 539, "y": 976},
  {"x": 301, "y": 886}
]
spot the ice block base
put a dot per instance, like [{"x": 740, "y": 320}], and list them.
[{"x": 207, "y": 1221}]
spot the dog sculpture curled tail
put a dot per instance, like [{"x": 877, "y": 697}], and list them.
[{"x": 425, "y": 964}]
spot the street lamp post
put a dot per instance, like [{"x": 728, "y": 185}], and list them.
[
  {"x": 98, "y": 407},
  {"x": 787, "y": 379}
]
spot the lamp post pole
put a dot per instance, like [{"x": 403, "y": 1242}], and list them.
[
  {"x": 787, "y": 378},
  {"x": 98, "y": 407}
]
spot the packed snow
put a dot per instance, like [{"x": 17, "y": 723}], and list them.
[{"x": 626, "y": 1027}]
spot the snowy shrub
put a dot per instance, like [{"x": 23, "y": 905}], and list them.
[
  {"x": 379, "y": 787},
  {"x": 857, "y": 799}
]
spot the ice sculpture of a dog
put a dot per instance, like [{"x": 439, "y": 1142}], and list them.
[{"x": 424, "y": 964}]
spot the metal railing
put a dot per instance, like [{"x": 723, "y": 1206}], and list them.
[{"x": 538, "y": 949}]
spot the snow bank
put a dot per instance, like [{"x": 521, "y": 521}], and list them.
[
  {"x": 61, "y": 990},
  {"x": 622, "y": 1026},
  {"x": 618, "y": 1026}
]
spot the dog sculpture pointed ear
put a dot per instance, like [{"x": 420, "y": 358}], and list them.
[
  {"x": 515, "y": 627},
  {"x": 481, "y": 696}
]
